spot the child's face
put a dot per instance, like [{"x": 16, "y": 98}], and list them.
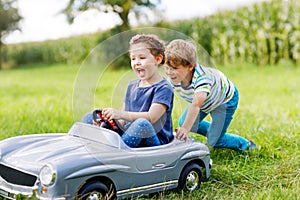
[
  {"x": 143, "y": 62},
  {"x": 179, "y": 74}
]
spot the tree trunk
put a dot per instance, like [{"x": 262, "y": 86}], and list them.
[
  {"x": 125, "y": 22},
  {"x": 0, "y": 55}
]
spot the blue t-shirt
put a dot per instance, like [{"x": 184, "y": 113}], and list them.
[{"x": 139, "y": 99}]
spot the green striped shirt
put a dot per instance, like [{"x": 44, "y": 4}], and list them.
[{"x": 218, "y": 87}]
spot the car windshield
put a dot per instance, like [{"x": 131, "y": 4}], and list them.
[{"x": 95, "y": 133}]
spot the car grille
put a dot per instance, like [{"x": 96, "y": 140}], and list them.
[{"x": 16, "y": 177}]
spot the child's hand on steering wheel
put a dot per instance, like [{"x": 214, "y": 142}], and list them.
[{"x": 111, "y": 113}]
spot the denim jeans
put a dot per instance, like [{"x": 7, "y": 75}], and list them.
[
  {"x": 216, "y": 130},
  {"x": 139, "y": 133}
]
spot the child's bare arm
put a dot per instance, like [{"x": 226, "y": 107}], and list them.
[
  {"x": 155, "y": 112},
  {"x": 193, "y": 111}
]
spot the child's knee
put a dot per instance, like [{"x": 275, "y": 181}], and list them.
[
  {"x": 87, "y": 118},
  {"x": 212, "y": 141},
  {"x": 142, "y": 122}
]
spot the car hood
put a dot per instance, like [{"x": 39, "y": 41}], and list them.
[{"x": 59, "y": 150}]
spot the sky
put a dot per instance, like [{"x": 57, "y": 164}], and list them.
[{"x": 42, "y": 19}]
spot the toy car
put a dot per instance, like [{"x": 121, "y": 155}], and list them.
[{"x": 91, "y": 162}]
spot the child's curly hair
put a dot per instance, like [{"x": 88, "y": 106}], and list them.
[{"x": 155, "y": 45}]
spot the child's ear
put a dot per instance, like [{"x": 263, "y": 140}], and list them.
[
  {"x": 191, "y": 67},
  {"x": 159, "y": 59}
]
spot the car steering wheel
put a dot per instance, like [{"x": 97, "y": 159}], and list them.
[{"x": 105, "y": 123}]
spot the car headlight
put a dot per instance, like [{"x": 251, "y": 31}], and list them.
[{"x": 47, "y": 175}]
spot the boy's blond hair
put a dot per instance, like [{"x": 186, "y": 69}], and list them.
[{"x": 181, "y": 52}]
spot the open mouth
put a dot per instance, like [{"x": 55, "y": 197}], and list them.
[
  {"x": 173, "y": 78},
  {"x": 140, "y": 72}
]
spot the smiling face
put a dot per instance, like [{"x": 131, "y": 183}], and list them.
[
  {"x": 181, "y": 58},
  {"x": 180, "y": 74},
  {"x": 143, "y": 63}
]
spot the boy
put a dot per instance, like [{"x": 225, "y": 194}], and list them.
[{"x": 208, "y": 91}]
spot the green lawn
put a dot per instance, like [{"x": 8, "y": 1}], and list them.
[{"x": 39, "y": 100}]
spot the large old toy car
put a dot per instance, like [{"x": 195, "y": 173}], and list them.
[{"x": 91, "y": 162}]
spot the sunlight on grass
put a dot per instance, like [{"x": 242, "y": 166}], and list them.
[{"x": 39, "y": 100}]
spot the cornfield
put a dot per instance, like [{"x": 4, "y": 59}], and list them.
[{"x": 264, "y": 33}]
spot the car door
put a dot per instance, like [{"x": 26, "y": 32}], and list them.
[{"x": 156, "y": 158}]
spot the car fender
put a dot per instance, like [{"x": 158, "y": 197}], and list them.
[
  {"x": 97, "y": 170},
  {"x": 202, "y": 155},
  {"x": 194, "y": 154}
]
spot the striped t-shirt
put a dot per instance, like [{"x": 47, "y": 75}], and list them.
[{"x": 218, "y": 87}]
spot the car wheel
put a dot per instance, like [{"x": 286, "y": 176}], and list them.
[
  {"x": 95, "y": 191},
  {"x": 190, "y": 177}
]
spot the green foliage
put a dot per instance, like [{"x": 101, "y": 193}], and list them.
[
  {"x": 120, "y": 7},
  {"x": 9, "y": 18},
  {"x": 38, "y": 99},
  {"x": 264, "y": 33},
  {"x": 66, "y": 51}
]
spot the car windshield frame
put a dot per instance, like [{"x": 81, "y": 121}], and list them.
[{"x": 96, "y": 134}]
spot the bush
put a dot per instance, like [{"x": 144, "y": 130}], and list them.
[
  {"x": 66, "y": 51},
  {"x": 264, "y": 33}
]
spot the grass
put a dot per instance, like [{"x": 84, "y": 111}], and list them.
[{"x": 39, "y": 100}]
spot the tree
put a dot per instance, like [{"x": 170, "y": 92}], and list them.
[
  {"x": 9, "y": 18},
  {"x": 121, "y": 7}
]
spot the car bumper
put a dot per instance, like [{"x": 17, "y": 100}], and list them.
[{"x": 11, "y": 191}]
